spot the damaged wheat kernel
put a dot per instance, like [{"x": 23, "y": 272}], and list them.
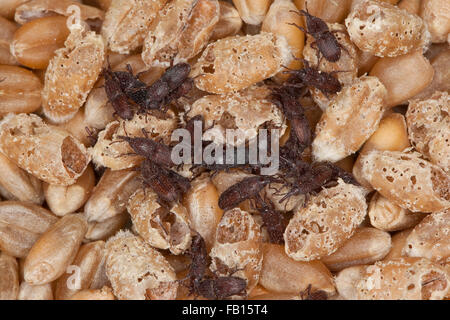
[
  {"x": 235, "y": 63},
  {"x": 385, "y": 30},
  {"x": 127, "y": 23},
  {"x": 430, "y": 238},
  {"x": 137, "y": 271},
  {"x": 182, "y": 30},
  {"x": 349, "y": 120},
  {"x": 81, "y": 58},
  {"x": 428, "y": 126},
  {"x": 398, "y": 279},
  {"x": 407, "y": 180},
  {"x": 230, "y": 111},
  {"x": 237, "y": 248},
  {"x": 160, "y": 226},
  {"x": 45, "y": 151},
  {"x": 326, "y": 221},
  {"x": 113, "y": 152},
  {"x": 36, "y": 9}
]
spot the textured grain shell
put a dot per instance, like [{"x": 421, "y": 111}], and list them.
[
  {"x": 237, "y": 248},
  {"x": 137, "y": 271},
  {"x": 430, "y": 238},
  {"x": 230, "y": 111},
  {"x": 386, "y": 30},
  {"x": 47, "y": 152},
  {"x": 163, "y": 228},
  {"x": 398, "y": 279},
  {"x": 181, "y": 32},
  {"x": 235, "y": 63},
  {"x": 127, "y": 23},
  {"x": 407, "y": 180},
  {"x": 82, "y": 58},
  {"x": 115, "y": 153},
  {"x": 326, "y": 221},
  {"x": 350, "y": 119},
  {"x": 428, "y": 127}
]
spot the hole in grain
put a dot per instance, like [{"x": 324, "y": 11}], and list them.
[
  {"x": 433, "y": 281},
  {"x": 72, "y": 157}
]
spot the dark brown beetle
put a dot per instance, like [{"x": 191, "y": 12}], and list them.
[
  {"x": 209, "y": 287},
  {"x": 175, "y": 76},
  {"x": 218, "y": 288},
  {"x": 168, "y": 185},
  {"x": 122, "y": 105},
  {"x": 325, "y": 40},
  {"x": 243, "y": 190},
  {"x": 92, "y": 135},
  {"x": 273, "y": 220},
  {"x": 157, "y": 152},
  {"x": 173, "y": 84},
  {"x": 321, "y": 80},
  {"x": 287, "y": 99},
  {"x": 131, "y": 85},
  {"x": 200, "y": 259},
  {"x": 319, "y": 175},
  {"x": 316, "y": 295}
]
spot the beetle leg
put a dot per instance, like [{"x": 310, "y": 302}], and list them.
[{"x": 297, "y": 26}]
